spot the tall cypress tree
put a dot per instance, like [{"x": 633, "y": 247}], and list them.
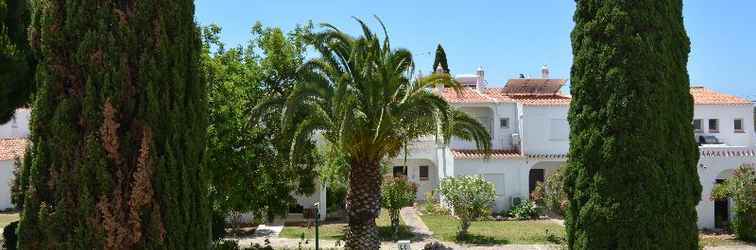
[
  {"x": 440, "y": 59},
  {"x": 632, "y": 180},
  {"x": 16, "y": 59},
  {"x": 118, "y": 128}
]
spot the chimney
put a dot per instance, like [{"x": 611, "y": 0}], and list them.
[
  {"x": 545, "y": 72},
  {"x": 481, "y": 82},
  {"x": 440, "y": 87}
]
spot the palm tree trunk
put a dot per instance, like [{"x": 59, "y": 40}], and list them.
[{"x": 363, "y": 204}]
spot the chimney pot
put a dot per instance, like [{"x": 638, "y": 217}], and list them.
[{"x": 545, "y": 72}]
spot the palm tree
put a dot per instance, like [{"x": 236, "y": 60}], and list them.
[{"x": 362, "y": 97}]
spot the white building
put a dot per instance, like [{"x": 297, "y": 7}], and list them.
[
  {"x": 527, "y": 120},
  {"x": 13, "y": 145}
]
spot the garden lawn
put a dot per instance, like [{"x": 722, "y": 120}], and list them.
[
  {"x": 444, "y": 228},
  {"x": 7, "y": 218},
  {"x": 335, "y": 231}
]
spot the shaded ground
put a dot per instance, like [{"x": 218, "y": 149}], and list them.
[{"x": 334, "y": 230}]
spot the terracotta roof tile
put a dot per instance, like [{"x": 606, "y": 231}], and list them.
[
  {"x": 12, "y": 148},
  {"x": 701, "y": 96},
  {"x": 471, "y": 154},
  {"x": 467, "y": 95},
  {"x": 704, "y": 96}
]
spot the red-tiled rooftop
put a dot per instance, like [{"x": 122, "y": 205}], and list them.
[
  {"x": 10, "y": 149},
  {"x": 702, "y": 95}
]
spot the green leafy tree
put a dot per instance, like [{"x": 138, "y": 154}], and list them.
[
  {"x": 16, "y": 58},
  {"x": 551, "y": 193},
  {"x": 397, "y": 193},
  {"x": 741, "y": 188},
  {"x": 632, "y": 151},
  {"x": 440, "y": 60},
  {"x": 470, "y": 197},
  {"x": 361, "y": 96},
  {"x": 238, "y": 79},
  {"x": 118, "y": 129}
]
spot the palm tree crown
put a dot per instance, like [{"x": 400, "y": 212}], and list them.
[{"x": 363, "y": 97}]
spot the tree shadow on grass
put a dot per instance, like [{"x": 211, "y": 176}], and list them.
[
  {"x": 477, "y": 239},
  {"x": 386, "y": 233}
]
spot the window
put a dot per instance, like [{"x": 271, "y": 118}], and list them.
[
  {"x": 504, "y": 123},
  {"x": 423, "y": 173},
  {"x": 14, "y": 123},
  {"x": 713, "y": 126},
  {"x": 697, "y": 125},
  {"x": 400, "y": 171},
  {"x": 738, "y": 125}
]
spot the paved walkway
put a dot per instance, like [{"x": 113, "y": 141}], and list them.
[
  {"x": 272, "y": 229},
  {"x": 412, "y": 219}
]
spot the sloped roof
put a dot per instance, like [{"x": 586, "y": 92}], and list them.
[
  {"x": 705, "y": 96},
  {"x": 701, "y": 96},
  {"x": 467, "y": 95},
  {"x": 12, "y": 148}
]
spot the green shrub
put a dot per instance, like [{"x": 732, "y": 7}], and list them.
[
  {"x": 9, "y": 236},
  {"x": 524, "y": 210},
  {"x": 397, "y": 193},
  {"x": 551, "y": 193},
  {"x": 430, "y": 202},
  {"x": 741, "y": 187},
  {"x": 470, "y": 198}
]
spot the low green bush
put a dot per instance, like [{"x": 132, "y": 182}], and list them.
[
  {"x": 9, "y": 236},
  {"x": 524, "y": 210},
  {"x": 741, "y": 187}
]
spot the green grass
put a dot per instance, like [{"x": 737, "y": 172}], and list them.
[
  {"x": 444, "y": 228},
  {"x": 7, "y": 218},
  {"x": 335, "y": 231}
]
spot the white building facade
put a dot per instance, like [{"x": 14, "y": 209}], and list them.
[
  {"x": 13, "y": 145},
  {"x": 527, "y": 120}
]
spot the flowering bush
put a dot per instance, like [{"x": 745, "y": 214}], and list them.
[
  {"x": 396, "y": 193},
  {"x": 470, "y": 198},
  {"x": 741, "y": 187}
]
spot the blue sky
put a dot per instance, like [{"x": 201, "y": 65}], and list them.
[{"x": 505, "y": 37}]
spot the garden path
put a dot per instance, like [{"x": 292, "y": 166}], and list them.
[{"x": 412, "y": 219}]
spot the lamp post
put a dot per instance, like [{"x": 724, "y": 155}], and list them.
[{"x": 317, "y": 223}]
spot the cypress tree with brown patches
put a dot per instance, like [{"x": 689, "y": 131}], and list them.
[
  {"x": 632, "y": 181},
  {"x": 118, "y": 128}
]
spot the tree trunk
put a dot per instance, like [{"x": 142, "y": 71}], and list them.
[
  {"x": 363, "y": 204},
  {"x": 463, "y": 227},
  {"x": 395, "y": 222}
]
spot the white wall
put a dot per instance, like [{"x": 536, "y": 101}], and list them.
[
  {"x": 727, "y": 115},
  {"x": 709, "y": 168},
  {"x": 18, "y": 127},
  {"x": 6, "y": 177},
  {"x": 503, "y": 136},
  {"x": 484, "y": 114},
  {"x": 544, "y": 129},
  {"x": 509, "y": 176},
  {"x": 413, "y": 175}
]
